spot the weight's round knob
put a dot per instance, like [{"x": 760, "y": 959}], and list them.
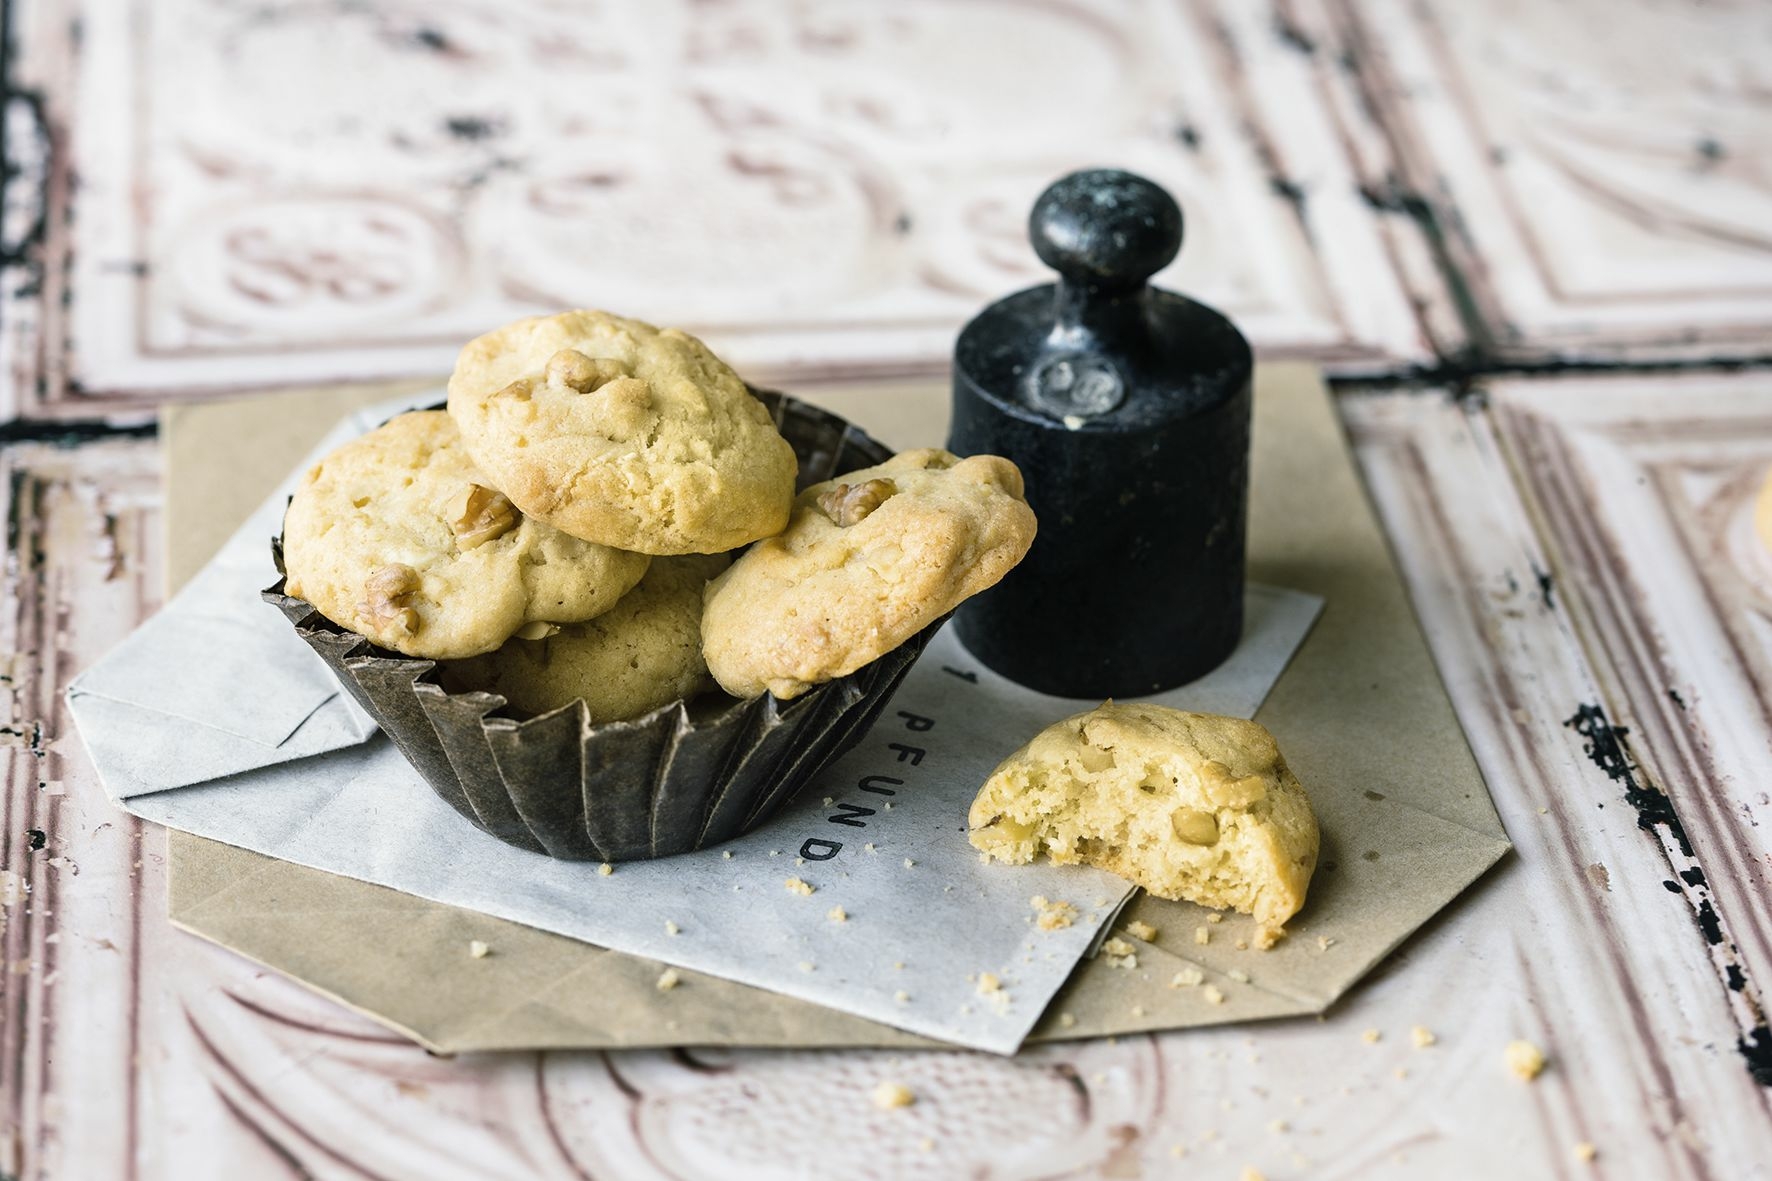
[{"x": 1105, "y": 228}]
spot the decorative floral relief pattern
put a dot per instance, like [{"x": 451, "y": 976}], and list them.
[
  {"x": 318, "y": 189},
  {"x": 1607, "y": 191}
]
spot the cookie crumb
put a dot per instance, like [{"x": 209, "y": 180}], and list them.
[
  {"x": 1242, "y": 945},
  {"x": 1266, "y": 937},
  {"x": 1250, "y": 1173},
  {"x": 908, "y": 863},
  {"x": 1278, "y": 1127},
  {"x": 799, "y": 861},
  {"x": 1585, "y": 1152},
  {"x": 1186, "y": 978},
  {"x": 1371, "y": 1037},
  {"x": 726, "y": 854},
  {"x": 1422, "y": 1036},
  {"x": 1324, "y": 943},
  {"x": 1525, "y": 1059},
  {"x": 898, "y": 966},
  {"x": 1213, "y": 995},
  {"x": 1117, "y": 946},
  {"x": 988, "y": 983},
  {"x": 1202, "y": 935},
  {"x": 1215, "y": 917},
  {"x": 478, "y": 949},
  {"x": 796, "y": 886},
  {"x": 605, "y": 869},
  {"x": 902, "y": 997},
  {"x": 1067, "y": 1020},
  {"x": 837, "y": 914},
  {"x": 671, "y": 928},
  {"x": 828, "y": 801},
  {"x": 1237, "y": 974},
  {"x": 1142, "y": 931},
  {"x": 868, "y": 848},
  {"x": 1401, "y": 1072},
  {"x": 668, "y": 979},
  {"x": 807, "y": 965},
  {"x": 1138, "y": 1010},
  {"x": 887, "y": 805},
  {"x": 1052, "y": 915},
  {"x": 888, "y": 1095},
  {"x": 1178, "y": 1150}
]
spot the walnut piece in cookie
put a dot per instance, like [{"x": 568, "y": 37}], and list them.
[
  {"x": 623, "y": 434},
  {"x": 1192, "y": 807},
  {"x": 399, "y": 537},
  {"x": 479, "y": 514},
  {"x": 867, "y": 561}
]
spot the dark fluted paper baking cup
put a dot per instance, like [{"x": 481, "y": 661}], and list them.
[{"x": 683, "y": 777}]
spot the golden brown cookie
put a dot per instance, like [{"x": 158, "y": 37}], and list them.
[
  {"x": 620, "y": 433},
  {"x": 869, "y": 560},
  {"x": 643, "y": 653},
  {"x": 1190, "y": 806},
  {"x": 399, "y": 537}
]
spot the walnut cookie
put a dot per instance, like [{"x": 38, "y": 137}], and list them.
[
  {"x": 620, "y": 433},
  {"x": 399, "y": 537},
  {"x": 868, "y": 560},
  {"x": 644, "y": 653},
  {"x": 1190, "y": 806}
]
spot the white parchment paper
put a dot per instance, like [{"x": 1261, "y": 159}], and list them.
[{"x": 262, "y": 751}]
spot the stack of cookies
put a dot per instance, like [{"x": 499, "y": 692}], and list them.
[{"x": 600, "y": 543}]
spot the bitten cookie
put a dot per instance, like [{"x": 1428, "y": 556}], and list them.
[
  {"x": 620, "y": 433},
  {"x": 399, "y": 537},
  {"x": 1190, "y": 806},
  {"x": 643, "y": 653},
  {"x": 868, "y": 561}
]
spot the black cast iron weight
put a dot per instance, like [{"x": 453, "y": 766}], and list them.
[{"x": 1127, "y": 409}]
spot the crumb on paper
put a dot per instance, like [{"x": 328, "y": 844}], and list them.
[
  {"x": 1117, "y": 946},
  {"x": 1213, "y": 994},
  {"x": 807, "y": 966},
  {"x": 908, "y": 863},
  {"x": 799, "y": 861},
  {"x": 898, "y": 966},
  {"x": 1278, "y": 1127},
  {"x": 668, "y": 979},
  {"x": 988, "y": 983},
  {"x": 1585, "y": 1152},
  {"x": 1250, "y": 1173},
  {"x": 478, "y": 949},
  {"x": 927, "y": 1144},
  {"x": 869, "y": 847},
  {"x": 1215, "y": 917},
  {"x": 1237, "y": 974},
  {"x": 837, "y": 914},
  {"x": 887, "y": 805},
  {"x": 671, "y": 928},
  {"x": 726, "y": 854},
  {"x": 1178, "y": 1150},
  {"x": 1525, "y": 1059},
  {"x": 888, "y": 1095},
  {"x": 902, "y": 997},
  {"x": 828, "y": 801},
  {"x": 1067, "y": 1020},
  {"x": 1202, "y": 935},
  {"x": 1187, "y": 978},
  {"x": 796, "y": 886},
  {"x": 1053, "y": 915},
  {"x": 1401, "y": 1072},
  {"x": 1242, "y": 945},
  {"x": 1142, "y": 931},
  {"x": 1422, "y": 1036},
  {"x": 1266, "y": 937},
  {"x": 1073, "y": 422},
  {"x": 1371, "y": 1037},
  {"x": 605, "y": 869},
  {"x": 775, "y": 852},
  {"x": 1138, "y": 1010}
]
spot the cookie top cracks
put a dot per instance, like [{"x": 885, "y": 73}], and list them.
[
  {"x": 620, "y": 433},
  {"x": 869, "y": 560},
  {"x": 399, "y": 537}
]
